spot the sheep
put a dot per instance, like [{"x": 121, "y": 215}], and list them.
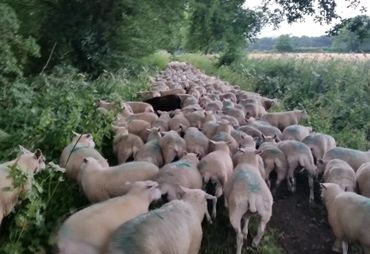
[
  {"x": 235, "y": 112},
  {"x": 165, "y": 103},
  {"x": 146, "y": 116},
  {"x": 196, "y": 142},
  {"x": 319, "y": 145},
  {"x": 223, "y": 133},
  {"x": 191, "y": 100},
  {"x": 250, "y": 130},
  {"x": 151, "y": 151},
  {"x": 255, "y": 110},
  {"x": 172, "y": 145},
  {"x": 100, "y": 183},
  {"x": 140, "y": 107},
  {"x": 273, "y": 159},
  {"x": 159, "y": 231},
  {"x": 174, "y": 91},
  {"x": 162, "y": 121},
  {"x": 195, "y": 118},
  {"x": 264, "y": 127},
  {"x": 104, "y": 106},
  {"x": 88, "y": 230},
  {"x": 126, "y": 145},
  {"x": 355, "y": 158},
  {"x": 239, "y": 155},
  {"x": 183, "y": 172},
  {"x": 242, "y": 138},
  {"x": 283, "y": 119},
  {"x": 363, "y": 179},
  {"x": 82, "y": 145},
  {"x": 213, "y": 106},
  {"x": 349, "y": 217},
  {"x": 146, "y": 95},
  {"x": 298, "y": 154},
  {"x": 217, "y": 167},
  {"x": 179, "y": 122},
  {"x": 296, "y": 132},
  {"x": 247, "y": 193},
  {"x": 339, "y": 172},
  {"x": 28, "y": 163}
]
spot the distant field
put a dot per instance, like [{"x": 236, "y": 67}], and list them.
[{"x": 312, "y": 56}]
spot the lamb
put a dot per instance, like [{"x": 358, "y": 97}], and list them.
[
  {"x": 217, "y": 167},
  {"x": 223, "y": 133},
  {"x": 159, "y": 231},
  {"x": 196, "y": 142},
  {"x": 126, "y": 145},
  {"x": 165, "y": 103},
  {"x": 247, "y": 193},
  {"x": 363, "y": 179},
  {"x": 298, "y": 154},
  {"x": 339, "y": 172},
  {"x": 140, "y": 107},
  {"x": 183, "y": 172},
  {"x": 273, "y": 159},
  {"x": 284, "y": 119},
  {"x": 195, "y": 118},
  {"x": 319, "y": 145},
  {"x": 355, "y": 158},
  {"x": 174, "y": 91},
  {"x": 82, "y": 145},
  {"x": 151, "y": 151},
  {"x": 88, "y": 230},
  {"x": 264, "y": 127},
  {"x": 179, "y": 122},
  {"x": 162, "y": 121},
  {"x": 296, "y": 132},
  {"x": 349, "y": 217},
  {"x": 172, "y": 145},
  {"x": 100, "y": 183},
  {"x": 29, "y": 163},
  {"x": 251, "y": 130}
]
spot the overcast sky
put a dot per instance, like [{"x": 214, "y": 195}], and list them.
[{"x": 308, "y": 27}]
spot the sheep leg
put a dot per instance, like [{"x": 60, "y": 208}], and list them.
[
  {"x": 260, "y": 232},
  {"x": 337, "y": 246},
  {"x": 345, "y": 247},
  {"x": 235, "y": 220},
  {"x": 310, "y": 183},
  {"x": 292, "y": 165},
  {"x": 245, "y": 226}
]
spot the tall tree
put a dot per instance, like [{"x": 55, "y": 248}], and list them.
[{"x": 352, "y": 34}]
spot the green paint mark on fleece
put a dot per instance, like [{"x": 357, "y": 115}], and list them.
[
  {"x": 182, "y": 164},
  {"x": 250, "y": 178},
  {"x": 221, "y": 136}
]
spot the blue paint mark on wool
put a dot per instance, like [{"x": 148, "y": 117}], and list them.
[{"x": 250, "y": 178}]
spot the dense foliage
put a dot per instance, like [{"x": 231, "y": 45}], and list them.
[{"x": 58, "y": 57}]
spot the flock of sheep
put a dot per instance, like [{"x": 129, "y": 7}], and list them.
[{"x": 193, "y": 130}]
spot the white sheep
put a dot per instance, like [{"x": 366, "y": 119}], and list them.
[
  {"x": 100, "y": 183},
  {"x": 173, "y": 228},
  {"x": 363, "y": 179},
  {"x": 348, "y": 215},
  {"x": 339, "y": 172},
  {"x": 246, "y": 193},
  {"x": 88, "y": 230},
  {"x": 82, "y": 145},
  {"x": 29, "y": 163}
]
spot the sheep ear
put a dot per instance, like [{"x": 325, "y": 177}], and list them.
[
  {"x": 75, "y": 133},
  {"x": 322, "y": 185},
  {"x": 180, "y": 192},
  {"x": 257, "y": 152},
  {"x": 24, "y": 150},
  {"x": 88, "y": 135},
  {"x": 208, "y": 196},
  {"x": 38, "y": 154}
]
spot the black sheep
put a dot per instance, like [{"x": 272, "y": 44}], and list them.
[{"x": 165, "y": 103}]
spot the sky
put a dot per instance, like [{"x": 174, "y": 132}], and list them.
[{"x": 307, "y": 27}]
